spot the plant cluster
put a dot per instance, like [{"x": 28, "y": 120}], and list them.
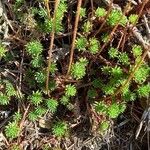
[
  {"x": 115, "y": 17},
  {"x": 2, "y": 50},
  {"x": 103, "y": 73},
  {"x": 7, "y": 92},
  {"x": 12, "y": 130},
  {"x": 100, "y": 12},
  {"x": 59, "y": 129},
  {"x": 78, "y": 70}
]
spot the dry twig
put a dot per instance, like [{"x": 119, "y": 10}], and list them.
[
  {"x": 74, "y": 35},
  {"x": 51, "y": 40}
]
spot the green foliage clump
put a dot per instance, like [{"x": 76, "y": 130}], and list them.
[
  {"x": 126, "y": 87},
  {"x": 87, "y": 27},
  {"x": 144, "y": 90},
  {"x": 48, "y": 24},
  {"x": 7, "y": 92},
  {"x": 82, "y": 12},
  {"x": 81, "y": 43},
  {"x": 116, "y": 72},
  {"x": 109, "y": 89},
  {"x": 106, "y": 69},
  {"x": 12, "y": 130},
  {"x": 53, "y": 68},
  {"x": 59, "y": 129},
  {"x": 78, "y": 69},
  {"x": 123, "y": 58},
  {"x": 141, "y": 74},
  {"x": 32, "y": 116},
  {"x": 42, "y": 12},
  {"x": 52, "y": 105},
  {"x": 115, "y": 109},
  {"x": 133, "y": 18},
  {"x": 104, "y": 126},
  {"x": 93, "y": 45},
  {"x": 70, "y": 90},
  {"x": 111, "y": 111},
  {"x": 38, "y": 112},
  {"x": 17, "y": 116},
  {"x": 4, "y": 99},
  {"x": 100, "y": 12},
  {"x": 10, "y": 90},
  {"x": 115, "y": 17},
  {"x": 129, "y": 96},
  {"x": 105, "y": 37},
  {"x": 34, "y": 48},
  {"x": 37, "y": 61},
  {"x": 36, "y": 98},
  {"x": 64, "y": 100},
  {"x": 136, "y": 50},
  {"x": 40, "y": 77},
  {"x": 113, "y": 52},
  {"x": 100, "y": 107},
  {"x": 115, "y": 75},
  {"x": 2, "y": 51}
]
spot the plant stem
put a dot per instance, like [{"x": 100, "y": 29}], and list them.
[
  {"x": 51, "y": 40},
  {"x": 74, "y": 35}
]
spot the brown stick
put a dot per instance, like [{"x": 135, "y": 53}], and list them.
[
  {"x": 51, "y": 41},
  {"x": 74, "y": 35}
]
